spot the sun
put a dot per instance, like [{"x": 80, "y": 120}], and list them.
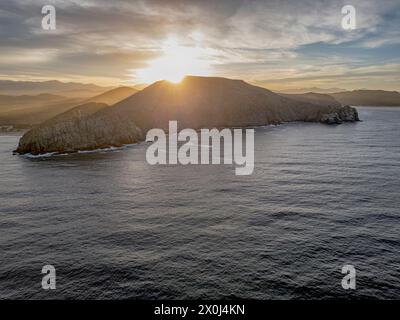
[{"x": 175, "y": 63}]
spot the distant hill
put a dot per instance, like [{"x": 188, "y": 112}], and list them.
[
  {"x": 7, "y": 101},
  {"x": 315, "y": 98},
  {"x": 312, "y": 89},
  {"x": 113, "y": 96},
  {"x": 140, "y": 86},
  {"x": 69, "y": 89},
  {"x": 368, "y": 98},
  {"x": 197, "y": 102}
]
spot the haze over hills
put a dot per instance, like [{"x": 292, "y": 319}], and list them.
[
  {"x": 69, "y": 89},
  {"x": 140, "y": 86},
  {"x": 368, "y": 98},
  {"x": 92, "y": 105},
  {"x": 19, "y": 112},
  {"x": 197, "y": 102},
  {"x": 113, "y": 96},
  {"x": 7, "y": 101},
  {"x": 26, "y": 111}
]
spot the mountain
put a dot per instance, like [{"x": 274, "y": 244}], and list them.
[
  {"x": 69, "y": 89},
  {"x": 315, "y": 98},
  {"x": 197, "y": 102},
  {"x": 312, "y": 89},
  {"x": 368, "y": 98},
  {"x": 77, "y": 112},
  {"x": 27, "y": 111},
  {"x": 203, "y": 102},
  {"x": 113, "y": 96},
  {"x": 140, "y": 86}
]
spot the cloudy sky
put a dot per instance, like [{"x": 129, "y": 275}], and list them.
[{"x": 276, "y": 44}]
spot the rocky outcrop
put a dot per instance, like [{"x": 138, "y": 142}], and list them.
[
  {"x": 348, "y": 114},
  {"x": 80, "y": 133},
  {"x": 344, "y": 114},
  {"x": 331, "y": 118},
  {"x": 76, "y": 130},
  {"x": 197, "y": 102}
]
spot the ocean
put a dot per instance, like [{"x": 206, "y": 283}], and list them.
[{"x": 115, "y": 227}]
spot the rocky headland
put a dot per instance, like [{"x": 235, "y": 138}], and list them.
[{"x": 196, "y": 102}]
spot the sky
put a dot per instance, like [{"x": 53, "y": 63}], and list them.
[{"x": 280, "y": 45}]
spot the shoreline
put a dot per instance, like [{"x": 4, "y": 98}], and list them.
[{"x": 111, "y": 148}]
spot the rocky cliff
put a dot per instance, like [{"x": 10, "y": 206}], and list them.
[
  {"x": 344, "y": 114},
  {"x": 197, "y": 102}
]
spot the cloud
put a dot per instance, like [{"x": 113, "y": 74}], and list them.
[{"x": 241, "y": 38}]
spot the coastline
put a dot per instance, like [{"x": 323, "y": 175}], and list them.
[{"x": 112, "y": 148}]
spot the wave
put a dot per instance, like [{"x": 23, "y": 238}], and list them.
[
  {"x": 100, "y": 150},
  {"x": 43, "y": 155}
]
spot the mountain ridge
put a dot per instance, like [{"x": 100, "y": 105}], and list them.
[
  {"x": 71, "y": 89},
  {"x": 364, "y": 97}
]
